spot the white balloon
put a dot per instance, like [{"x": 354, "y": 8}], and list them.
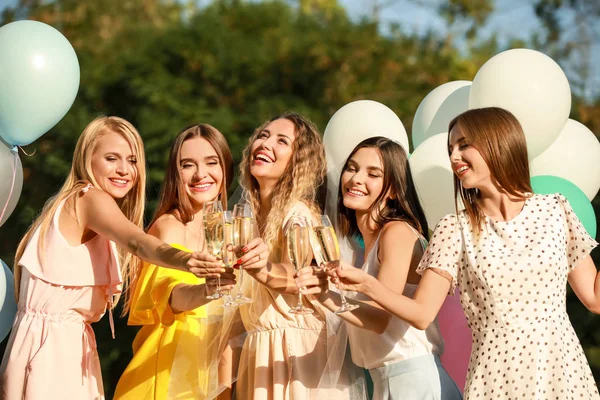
[
  {"x": 530, "y": 85},
  {"x": 573, "y": 156},
  {"x": 438, "y": 108},
  {"x": 358, "y": 121},
  {"x": 350, "y": 125},
  {"x": 433, "y": 176},
  {"x": 11, "y": 177},
  {"x": 8, "y": 303}
]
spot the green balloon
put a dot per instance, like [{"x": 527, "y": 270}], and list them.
[{"x": 548, "y": 184}]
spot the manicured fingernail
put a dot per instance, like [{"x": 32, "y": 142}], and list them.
[
  {"x": 239, "y": 262},
  {"x": 245, "y": 249}
]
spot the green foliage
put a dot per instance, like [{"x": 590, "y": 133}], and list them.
[
  {"x": 232, "y": 64},
  {"x": 473, "y": 13}
]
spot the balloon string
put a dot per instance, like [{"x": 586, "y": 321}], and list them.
[
  {"x": 15, "y": 152},
  {"x": 24, "y": 152}
]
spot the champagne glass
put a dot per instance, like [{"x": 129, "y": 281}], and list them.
[
  {"x": 228, "y": 253},
  {"x": 329, "y": 250},
  {"x": 214, "y": 235},
  {"x": 299, "y": 250},
  {"x": 242, "y": 233}
]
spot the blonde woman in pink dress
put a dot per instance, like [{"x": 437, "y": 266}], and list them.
[
  {"x": 69, "y": 267},
  {"x": 285, "y": 355}
]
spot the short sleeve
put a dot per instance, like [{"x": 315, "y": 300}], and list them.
[
  {"x": 150, "y": 300},
  {"x": 578, "y": 242},
  {"x": 443, "y": 255}
]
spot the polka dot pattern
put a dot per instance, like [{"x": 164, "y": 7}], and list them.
[{"x": 512, "y": 280}]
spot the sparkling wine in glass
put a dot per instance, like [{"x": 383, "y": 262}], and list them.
[
  {"x": 228, "y": 253},
  {"x": 214, "y": 235},
  {"x": 243, "y": 232},
  {"x": 329, "y": 250},
  {"x": 299, "y": 250}
]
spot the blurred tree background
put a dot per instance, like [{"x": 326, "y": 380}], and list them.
[{"x": 232, "y": 63}]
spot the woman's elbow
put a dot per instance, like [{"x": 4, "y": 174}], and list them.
[
  {"x": 593, "y": 306},
  {"x": 422, "y": 322},
  {"x": 134, "y": 246}
]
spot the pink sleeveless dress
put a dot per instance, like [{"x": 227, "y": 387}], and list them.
[{"x": 51, "y": 353}]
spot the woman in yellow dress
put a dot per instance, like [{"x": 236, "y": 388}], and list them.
[{"x": 171, "y": 305}]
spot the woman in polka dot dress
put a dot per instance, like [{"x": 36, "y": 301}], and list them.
[{"x": 511, "y": 254}]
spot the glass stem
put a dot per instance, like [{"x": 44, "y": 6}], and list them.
[
  {"x": 344, "y": 302},
  {"x": 239, "y": 295},
  {"x": 218, "y": 255}
]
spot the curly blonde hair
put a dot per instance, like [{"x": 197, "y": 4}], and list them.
[{"x": 300, "y": 181}]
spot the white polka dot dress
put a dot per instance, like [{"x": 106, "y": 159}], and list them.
[{"x": 512, "y": 285}]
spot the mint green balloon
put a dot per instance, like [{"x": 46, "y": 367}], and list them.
[
  {"x": 39, "y": 79},
  {"x": 548, "y": 184}
]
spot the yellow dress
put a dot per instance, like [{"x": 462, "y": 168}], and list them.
[{"x": 154, "y": 349}]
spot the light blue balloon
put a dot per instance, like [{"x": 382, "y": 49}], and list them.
[
  {"x": 8, "y": 304},
  {"x": 39, "y": 79},
  {"x": 548, "y": 184}
]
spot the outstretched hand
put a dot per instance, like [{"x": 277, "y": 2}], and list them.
[
  {"x": 312, "y": 281},
  {"x": 227, "y": 282},
  {"x": 204, "y": 265},
  {"x": 254, "y": 256},
  {"x": 352, "y": 279}
]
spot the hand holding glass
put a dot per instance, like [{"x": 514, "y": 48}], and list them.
[
  {"x": 330, "y": 254},
  {"x": 228, "y": 253},
  {"x": 214, "y": 235}
]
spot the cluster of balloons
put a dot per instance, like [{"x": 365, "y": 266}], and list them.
[{"x": 39, "y": 79}]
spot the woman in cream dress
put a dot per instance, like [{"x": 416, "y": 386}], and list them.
[{"x": 287, "y": 356}]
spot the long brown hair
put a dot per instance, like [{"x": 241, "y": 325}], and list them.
[
  {"x": 132, "y": 205},
  {"x": 299, "y": 182},
  {"x": 397, "y": 180},
  {"x": 498, "y": 136},
  {"x": 173, "y": 197}
]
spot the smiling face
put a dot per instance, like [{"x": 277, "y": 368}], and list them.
[
  {"x": 272, "y": 150},
  {"x": 201, "y": 171},
  {"x": 467, "y": 162},
  {"x": 362, "y": 179},
  {"x": 114, "y": 164}
]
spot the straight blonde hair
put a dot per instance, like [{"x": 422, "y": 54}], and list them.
[{"x": 132, "y": 205}]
